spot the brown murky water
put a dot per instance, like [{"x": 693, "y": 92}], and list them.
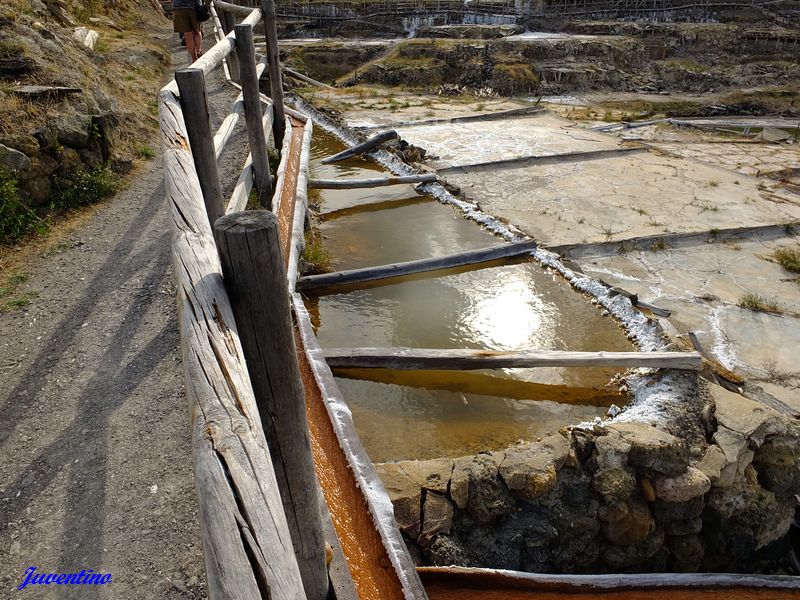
[{"x": 403, "y": 415}]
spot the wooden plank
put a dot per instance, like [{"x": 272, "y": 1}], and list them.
[
  {"x": 297, "y": 243},
  {"x": 306, "y": 78},
  {"x": 194, "y": 104},
  {"x": 526, "y": 161},
  {"x": 459, "y": 583},
  {"x": 362, "y": 148},
  {"x": 528, "y": 111},
  {"x": 348, "y": 184},
  {"x": 253, "y": 269},
  {"x": 262, "y": 178},
  {"x": 275, "y": 81},
  {"x": 456, "y": 359},
  {"x": 246, "y": 540},
  {"x": 470, "y": 257}
]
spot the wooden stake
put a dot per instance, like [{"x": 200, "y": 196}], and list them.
[
  {"x": 194, "y": 105},
  {"x": 228, "y": 25},
  {"x": 254, "y": 115},
  {"x": 371, "y": 143},
  {"x": 275, "y": 80},
  {"x": 444, "y": 359},
  {"x": 253, "y": 268},
  {"x": 351, "y": 184}
]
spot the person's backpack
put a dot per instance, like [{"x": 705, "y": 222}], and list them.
[{"x": 203, "y": 11}]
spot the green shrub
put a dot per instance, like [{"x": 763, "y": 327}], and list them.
[
  {"x": 85, "y": 187},
  {"x": 16, "y": 218}
]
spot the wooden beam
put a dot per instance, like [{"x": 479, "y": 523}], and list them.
[
  {"x": 242, "y": 11},
  {"x": 446, "y": 359},
  {"x": 526, "y": 161},
  {"x": 470, "y": 257},
  {"x": 253, "y": 114},
  {"x": 252, "y": 265},
  {"x": 306, "y": 78},
  {"x": 194, "y": 105},
  {"x": 348, "y": 184},
  {"x": 244, "y": 529},
  {"x": 371, "y": 143},
  {"x": 528, "y": 111}
]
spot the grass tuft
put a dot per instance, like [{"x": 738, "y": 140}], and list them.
[
  {"x": 315, "y": 254},
  {"x": 788, "y": 258},
  {"x": 759, "y": 303}
]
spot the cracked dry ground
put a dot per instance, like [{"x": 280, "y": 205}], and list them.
[{"x": 96, "y": 469}]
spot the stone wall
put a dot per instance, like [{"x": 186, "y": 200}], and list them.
[{"x": 615, "y": 496}]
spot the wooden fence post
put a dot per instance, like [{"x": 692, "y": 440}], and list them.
[
  {"x": 275, "y": 80},
  {"x": 194, "y": 105},
  {"x": 228, "y": 24},
  {"x": 254, "y": 115},
  {"x": 253, "y": 269}
]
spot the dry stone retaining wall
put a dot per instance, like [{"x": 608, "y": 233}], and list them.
[{"x": 612, "y": 497}]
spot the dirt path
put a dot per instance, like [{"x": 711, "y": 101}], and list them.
[{"x": 96, "y": 468}]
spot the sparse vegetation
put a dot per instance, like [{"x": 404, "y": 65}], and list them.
[
  {"x": 85, "y": 187},
  {"x": 16, "y": 218},
  {"x": 788, "y": 258},
  {"x": 11, "y": 300},
  {"x": 758, "y": 303},
  {"x": 145, "y": 151},
  {"x": 315, "y": 255}
]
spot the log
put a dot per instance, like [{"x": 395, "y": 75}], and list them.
[
  {"x": 194, "y": 104},
  {"x": 275, "y": 81},
  {"x": 219, "y": 35},
  {"x": 242, "y": 11},
  {"x": 525, "y": 161},
  {"x": 253, "y": 114},
  {"x": 229, "y": 25},
  {"x": 348, "y": 184},
  {"x": 446, "y": 359},
  {"x": 306, "y": 78},
  {"x": 298, "y": 240},
  {"x": 253, "y": 268},
  {"x": 371, "y": 143},
  {"x": 527, "y": 111},
  {"x": 246, "y": 540},
  {"x": 470, "y": 257}
]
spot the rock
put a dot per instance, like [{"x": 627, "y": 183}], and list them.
[
  {"x": 773, "y": 134},
  {"x": 73, "y": 131},
  {"x": 712, "y": 463},
  {"x": 777, "y": 464},
  {"x": 27, "y": 144},
  {"x": 488, "y": 496},
  {"x": 459, "y": 482},
  {"x": 647, "y": 490},
  {"x": 684, "y": 527},
  {"x": 87, "y": 37},
  {"x": 637, "y": 525},
  {"x": 677, "y": 511},
  {"x": 653, "y": 449},
  {"x": 432, "y": 475},
  {"x": 70, "y": 160},
  {"x": 684, "y": 487},
  {"x": 92, "y": 157},
  {"x": 686, "y": 553},
  {"x": 610, "y": 451},
  {"x": 437, "y": 517},
  {"x": 626, "y": 557},
  {"x": 737, "y": 455},
  {"x": 751, "y": 419},
  {"x": 614, "y": 484},
  {"x": 406, "y": 497},
  {"x": 14, "y": 161},
  {"x": 445, "y": 550},
  {"x": 38, "y": 190},
  {"x": 105, "y": 21},
  {"x": 122, "y": 165},
  {"x": 57, "y": 8},
  {"x": 528, "y": 470},
  {"x": 611, "y": 513}
]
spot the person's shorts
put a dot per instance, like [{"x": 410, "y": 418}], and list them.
[{"x": 185, "y": 20}]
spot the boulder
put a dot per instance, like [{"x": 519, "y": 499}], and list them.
[
  {"x": 406, "y": 497},
  {"x": 653, "y": 449},
  {"x": 69, "y": 161},
  {"x": 432, "y": 475},
  {"x": 14, "y": 161},
  {"x": 777, "y": 464},
  {"x": 614, "y": 484},
  {"x": 38, "y": 190},
  {"x": 712, "y": 463},
  {"x": 752, "y": 420},
  {"x": 683, "y": 487},
  {"x": 610, "y": 451},
  {"x": 73, "y": 131},
  {"x": 737, "y": 455},
  {"x": 528, "y": 470},
  {"x": 488, "y": 496},
  {"x": 87, "y": 37}
]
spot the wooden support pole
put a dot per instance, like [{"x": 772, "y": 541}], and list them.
[
  {"x": 527, "y": 111},
  {"x": 371, "y": 143},
  {"x": 306, "y": 78},
  {"x": 275, "y": 78},
  {"x": 253, "y": 113},
  {"x": 253, "y": 269},
  {"x": 470, "y": 257},
  {"x": 445, "y": 359},
  {"x": 228, "y": 25},
  {"x": 351, "y": 184},
  {"x": 194, "y": 105}
]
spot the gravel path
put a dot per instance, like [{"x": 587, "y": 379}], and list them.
[{"x": 95, "y": 456}]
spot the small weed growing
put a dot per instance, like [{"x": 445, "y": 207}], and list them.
[
  {"x": 315, "y": 255},
  {"x": 759, "y": 303},
  {"x": 788, "y": 258},
  {"x": 145, "y": 152},
  {"x": 85, "y": 187}
]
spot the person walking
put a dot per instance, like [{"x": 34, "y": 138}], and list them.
[{"x": 185, "y": 21}]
